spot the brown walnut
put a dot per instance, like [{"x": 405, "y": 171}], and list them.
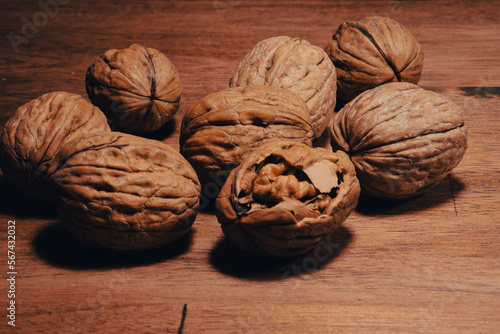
[
  {"x": 219, "y": 130},
  {"x": 124, "y": 192},
  {"x": 138, "y": 88},
  {"x": 401, "y": 138},
  {"x": 35, "y": 133},
  {"x": 371, "y": 52},
  {"x": 285, "y": 197},
  {"x": 294, "y": 64}
]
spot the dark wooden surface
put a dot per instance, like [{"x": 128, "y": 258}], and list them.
[{"x": 430, "y": 264}]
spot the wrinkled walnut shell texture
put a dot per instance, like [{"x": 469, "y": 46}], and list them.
[
  {"x": 402, "y": 139},
  {"x": 35, "y": 133},
  {"x": 371, "y": 52},
  {"x": 288, "y": 225},
  {"x": 124, "y": 192},
  {"x": 219, "y": 130},
  {"x": 138, "y": 88},
  {"x": 293, "y": 64}
]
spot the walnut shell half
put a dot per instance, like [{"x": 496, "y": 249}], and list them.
[
  {"x": 124, "y": 192},
  {"x": 297, "y": 65},
  {"x": 401, "y": 138},
  {"x": 371, "y": 52},
  {"x": 138, "y": 88},
  {"x": 36, "y": 132},
  {"x": 219, "y": 130},
  {"x": 285, "y": 197}
]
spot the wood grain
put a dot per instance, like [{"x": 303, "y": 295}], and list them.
[{"x": 430, "y": 264}]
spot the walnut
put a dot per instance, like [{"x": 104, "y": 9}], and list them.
[
  {"x": 138, "y": 88},
  {"x": 124, "y": 192},
  {"x": 401, "y": 138},
  {"x": 294, "y": 64},
  {"x": 220, "y": 129},
  {"x": 35, "y": 133},
  {"x": 285, "y": 197},
  {"x": 371, "y": 52}
]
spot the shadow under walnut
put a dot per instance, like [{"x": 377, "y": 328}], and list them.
[
  {"x": 232, "y": 261},
  {"x": 58, "y": 248},
  {"x": 442, "y": 194},
  {"x": 14, "y": 203}
]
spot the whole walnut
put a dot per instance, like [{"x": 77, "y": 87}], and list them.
[
  {"x": 371, "y": 52},
  {"x": 219, "y": 130},
  {"x": 285, "y": 197},
  {"x": 402, "y": 139},
  {"x": 124, "y": 192},
  {"x": 294, "y": 64},
  {"x": 36, "y": 132},
  {"x": 138, "y": 88}
]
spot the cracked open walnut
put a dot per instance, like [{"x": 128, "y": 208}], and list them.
[{"x": 285, "y": 197}]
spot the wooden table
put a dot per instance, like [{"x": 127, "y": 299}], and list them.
[{"x": 430, "y": 264}]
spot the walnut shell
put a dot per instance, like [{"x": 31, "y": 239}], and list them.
[
  {"x": 124, "y": 192},
  {"x": 294, "y": 64},
  {"x": 220, "y": 129},
  {"x": 401, "y": 138},
  {"x": 285, "y": 197},
  {"x": 371, "y": 52},
  {"x": 35, "y": 133},
  {"x": 138, "y": 88}
]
